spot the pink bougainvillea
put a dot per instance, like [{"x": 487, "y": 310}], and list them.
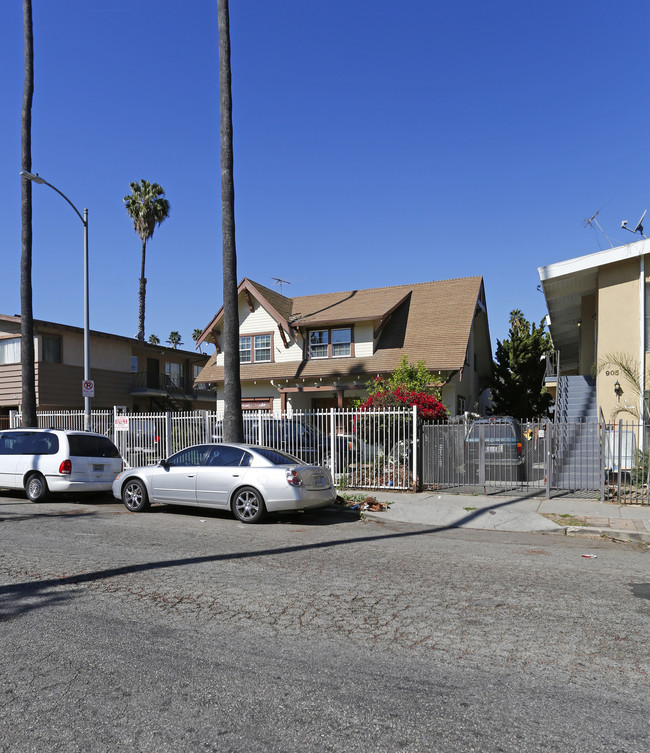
[{"x": 429, "y": 407}]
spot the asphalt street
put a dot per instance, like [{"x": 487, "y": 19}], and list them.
[{"x": 184, "y": 630}]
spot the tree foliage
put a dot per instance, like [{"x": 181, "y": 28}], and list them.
[
  {"x": 407, "y": 386},
  {"x": 174, "y": 339},
  {"x": 518, "y": 380}
]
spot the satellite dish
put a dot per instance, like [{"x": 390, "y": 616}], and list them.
[{"x": 639, "y": 224}]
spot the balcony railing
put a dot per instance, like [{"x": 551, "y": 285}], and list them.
[{"x": 142, "y": 381}]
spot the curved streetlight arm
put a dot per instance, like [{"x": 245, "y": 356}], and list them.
[{"x": 36, "y": 178}]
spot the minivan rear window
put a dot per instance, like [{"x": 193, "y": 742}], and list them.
[{"x": 89, "y": 446}]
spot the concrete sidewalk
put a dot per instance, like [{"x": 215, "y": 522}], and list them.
[{"x": 527, "y": 514}]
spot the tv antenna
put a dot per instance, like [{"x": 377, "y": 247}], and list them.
[
  {"x": 593, "y": 221},
  {"x": 279, "y": 282},
  {"x": 639, "y": 225}
]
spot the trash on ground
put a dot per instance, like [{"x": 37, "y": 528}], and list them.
[
  {"x": 362, "y": 503},
  {"x": 589, "y": 556}
]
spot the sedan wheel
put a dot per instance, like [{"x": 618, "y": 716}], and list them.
[
  {"x": 248, "y": 505},
  {"x": 134, "y": 496}
]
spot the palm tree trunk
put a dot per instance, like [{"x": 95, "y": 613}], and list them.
[
  {"x": 233, "y": 427},
  {"x": 142, "y": 294},
  {"x": 26, "y": 311}
]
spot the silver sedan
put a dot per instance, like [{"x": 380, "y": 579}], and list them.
[{"x": 246, "y": 479}]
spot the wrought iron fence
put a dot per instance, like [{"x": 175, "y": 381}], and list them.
[
  {"x": 364, "y": 450},
  {"x": 392, "y": 449}
]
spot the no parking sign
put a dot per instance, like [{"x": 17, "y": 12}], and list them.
[{"x": 88, "y": 388}]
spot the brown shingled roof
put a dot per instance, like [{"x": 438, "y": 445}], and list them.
[{"x": 429, "y": 321}]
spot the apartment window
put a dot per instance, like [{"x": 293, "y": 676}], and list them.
[
  {"x": 134, "y": 364},
  {"x": 175, "y": 372},
  {"x": 330, "y": 343},
  {"x": 51, "y": 347},
  {"x": 460, "y": 405},
  {"x": 255, "y": 349},
  {"x": 196, "y": 370},
  {"x": 10, "y": 350}
]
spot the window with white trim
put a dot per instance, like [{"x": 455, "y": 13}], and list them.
[
  {"x": 10, "y": 350},
  {"x": 330, "y": 343},
  {"x": 255, "y": 348}
]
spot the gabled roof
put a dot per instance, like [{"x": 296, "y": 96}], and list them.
[
  {"x": 429, "y": 321},
  {"x": 565, "y": 283}
]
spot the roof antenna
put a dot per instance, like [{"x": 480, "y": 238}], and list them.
[
  {"x": 279, "y": 282},
  {"x": 593, "y": 221},
  {"x": 639, "y": 225}
]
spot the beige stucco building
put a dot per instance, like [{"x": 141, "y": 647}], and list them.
[{"x": 599, "y": 305}]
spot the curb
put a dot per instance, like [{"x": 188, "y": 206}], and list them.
[{"x": 593, "y": 532}]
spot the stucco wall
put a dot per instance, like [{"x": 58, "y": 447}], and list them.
[{"x": 618, "y": 328}]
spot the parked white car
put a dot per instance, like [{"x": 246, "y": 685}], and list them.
[
  {"x": 246, "y": 479},
  {"x": 41, "y": 461}
]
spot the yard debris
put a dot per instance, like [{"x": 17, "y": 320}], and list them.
[{"x": 361, "y": 503}]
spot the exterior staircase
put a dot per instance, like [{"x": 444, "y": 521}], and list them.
[{"x": 577, "y": 436}]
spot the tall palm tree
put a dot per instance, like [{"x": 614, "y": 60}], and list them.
[
  {"x": 154, "y": 339},
  {"x": 26, "y": 310},
  {"x": 147, "y": 207},
  {"x": 233, "y": 425}
]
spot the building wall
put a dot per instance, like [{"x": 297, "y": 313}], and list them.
[
  {"x": 588, "y": 329},
  {"x": 60, "y": 387},
  {"x": 618, "y": 328}
]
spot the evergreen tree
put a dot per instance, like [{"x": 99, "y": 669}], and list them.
[{"x": 518, "y": 379}]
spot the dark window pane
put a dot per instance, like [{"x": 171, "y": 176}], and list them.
[{"x": 88, "y": 446}]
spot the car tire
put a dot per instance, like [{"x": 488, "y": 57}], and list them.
[
  {"x": 36, "y": 488},
  {"x": 248, "y": 505},
  {"x": 134, "y": 496}
]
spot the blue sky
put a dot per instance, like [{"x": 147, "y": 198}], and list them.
[{"x": 376, "y": 143}]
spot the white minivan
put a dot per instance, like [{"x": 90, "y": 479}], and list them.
[{"x": 41, "y": 461}]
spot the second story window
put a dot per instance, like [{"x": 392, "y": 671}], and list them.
[
  {"x": 255, "y": 349},
  {"x": 330, "y": 343},
  {"x": 10, "y": 350},
  {"x": 51, "y": 347}
]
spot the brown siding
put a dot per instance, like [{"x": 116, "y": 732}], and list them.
[
  {"x": 61, "y": 387},
  {"x": 10, "y": 384}
]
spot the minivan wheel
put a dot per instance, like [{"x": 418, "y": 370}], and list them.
[
  {"x": 248, "y": 505},
  {"x": 134, "y": 496},
  {"x": 36, "y": 488}
]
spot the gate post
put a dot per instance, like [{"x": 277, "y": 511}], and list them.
[
  {"x": 416, "y": 481},
  {"x": 548, "y": 457}
]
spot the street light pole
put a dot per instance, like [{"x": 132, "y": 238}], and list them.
[{"x": 36, "y": 178}]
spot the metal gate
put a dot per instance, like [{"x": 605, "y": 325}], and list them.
[{"x": 503, "y": 455}]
